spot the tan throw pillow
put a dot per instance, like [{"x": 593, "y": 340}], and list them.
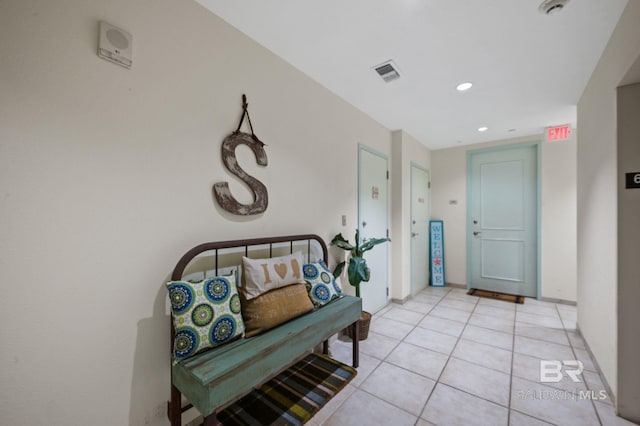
[
  {"x": 262, "y": 275},
  {"x": 273, "y": 308}
]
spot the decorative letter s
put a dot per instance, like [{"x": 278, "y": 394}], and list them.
[{"x": 221, "y": 189}]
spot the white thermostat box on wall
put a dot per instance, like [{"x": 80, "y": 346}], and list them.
[{"x": 115, "y": 45}]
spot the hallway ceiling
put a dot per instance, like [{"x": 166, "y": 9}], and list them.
[{"x": 528, "y": 69}]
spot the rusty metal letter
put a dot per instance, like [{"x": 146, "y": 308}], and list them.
[{"x": 221, "y": 189}]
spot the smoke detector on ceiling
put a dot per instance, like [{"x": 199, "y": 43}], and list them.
[
  {"x": 549, "y": 7},
  {"x": 388, "y": 71}
]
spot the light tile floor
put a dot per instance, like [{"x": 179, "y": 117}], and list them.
[{"x": 447, "y": 358}]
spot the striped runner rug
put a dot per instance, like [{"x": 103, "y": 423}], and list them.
[{"x": 292, "y": 397}]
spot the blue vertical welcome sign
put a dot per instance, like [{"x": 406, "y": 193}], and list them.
[{"x": 436, "y": 253}]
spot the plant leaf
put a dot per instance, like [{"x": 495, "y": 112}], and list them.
[
  {"x": 352, "y": 271},
  {"x": 341, "y": 242},
  {"x": 372, "y": 243},
  {"x": 338, "y": 269},
  {"x": 358, "y": 270}
]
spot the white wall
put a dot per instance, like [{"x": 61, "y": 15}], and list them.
[
  {"x": 105, "y": 181},
  {"x": 558, "y": 212},
  {"x": 449, "y": 183},
  {"x": 405, "y": 150},
  {"x": 597, "y": 196}
]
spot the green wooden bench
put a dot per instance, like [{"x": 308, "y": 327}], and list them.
[{"x": 215, "y": 378}]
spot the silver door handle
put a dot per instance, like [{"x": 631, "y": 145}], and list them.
[
  {"x": 414, "y": 234},
  {"x": 476, "y": 233}
]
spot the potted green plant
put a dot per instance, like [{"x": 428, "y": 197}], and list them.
[{"x": 357, "y": 271}]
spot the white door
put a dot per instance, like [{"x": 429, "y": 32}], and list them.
[
  {"x": 373, "y": 222},
  {"x": 419, "y": 228},
  {"x": 503, "y": 219}
]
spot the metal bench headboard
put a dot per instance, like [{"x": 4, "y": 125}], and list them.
[{"x": 178, "y": 271}]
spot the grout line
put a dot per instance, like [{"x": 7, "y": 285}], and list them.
[
  {"x": 513, "y": 355},
  {"x": 451, "y": 356},
  {"x": 443, "y": 367},
  {"x": 489, "y": 344},
  {"x": 536, "y": 418},
  {"x": 455, "y": 346},
  {"x": 335, "y": 410},
  {"x": 586, "y": 383},
  {"x": 437, "y": 380},
  {"x": 487, "y": 328},
  {"x": 418, "y": 417}
]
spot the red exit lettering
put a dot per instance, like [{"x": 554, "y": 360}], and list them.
[{"x": 558, "y": 133}]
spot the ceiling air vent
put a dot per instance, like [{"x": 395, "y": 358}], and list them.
[{"x": 388, "y": 71}]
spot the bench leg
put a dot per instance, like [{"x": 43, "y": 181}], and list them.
[
  {"x": 325, "y": 347},
  {"x": 211, "y": 420},
  {"x": 174, "y": 407},
  {"x": 355, "y": 332}
]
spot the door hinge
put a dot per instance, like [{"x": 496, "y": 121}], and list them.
[
  {"x": 429, "y": 185},
  {"x": 387, "y": 233},
  {"x": 387, "y": 291},
  {"x": 387, "y": 174}
]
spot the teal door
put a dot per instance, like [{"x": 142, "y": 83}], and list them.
[
  {"x": 373, "y": 222},
  {"x": 503, "y": 220},
  {"x": 419, "y": 228}
]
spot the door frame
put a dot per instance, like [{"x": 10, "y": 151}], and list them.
[
  {"x": 361, "y": 148},
  {"x": 538, "y": 147},
  {"x": 424, "y": 169}
]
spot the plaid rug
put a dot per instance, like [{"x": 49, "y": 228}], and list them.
[{"x": 292, "y": 397}]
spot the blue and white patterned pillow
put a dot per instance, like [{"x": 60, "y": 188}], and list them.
[
  {"x": 205, "y": 313},
  {"x": 321, "y": 284}
]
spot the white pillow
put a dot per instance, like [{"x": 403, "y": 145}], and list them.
[{"x": 262, "y": 275}]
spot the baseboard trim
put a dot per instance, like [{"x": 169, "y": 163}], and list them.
[
  {"x": 402, "y": 301},
  {"x": 560, "y": 301},
  {"x": 612, "y": 396},
  {"x": 456, "y": 285}
]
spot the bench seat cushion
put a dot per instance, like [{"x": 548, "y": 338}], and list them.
[{"x": 224, "y": 374}]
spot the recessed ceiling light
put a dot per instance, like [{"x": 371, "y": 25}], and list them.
[
  {"x": 512, "y": 130},
  {"x": 464, "y": 86},
  {"x": 483, "y": 129}
]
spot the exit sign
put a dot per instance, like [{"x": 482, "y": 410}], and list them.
[{"x": 558, "y": 133}]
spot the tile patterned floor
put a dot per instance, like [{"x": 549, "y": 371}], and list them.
[{"x": 446, "y": 358}]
